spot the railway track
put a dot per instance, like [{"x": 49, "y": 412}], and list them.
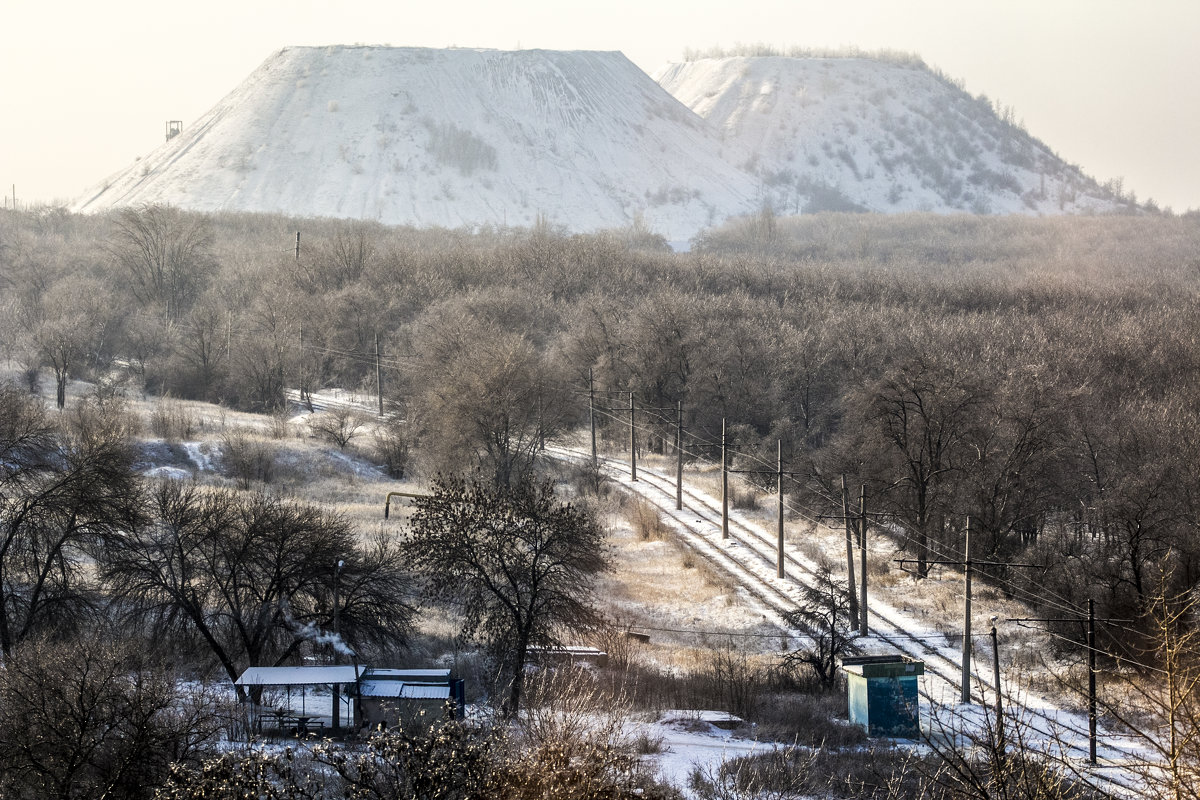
[{"x": 748, "y": 557}]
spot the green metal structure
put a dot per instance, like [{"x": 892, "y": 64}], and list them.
[{"x": 883, "y": 694}]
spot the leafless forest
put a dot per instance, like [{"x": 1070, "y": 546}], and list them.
[{"x": 1037, "y": 376}]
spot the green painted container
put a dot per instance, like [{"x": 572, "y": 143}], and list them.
[{"x": 882, "y": 694}]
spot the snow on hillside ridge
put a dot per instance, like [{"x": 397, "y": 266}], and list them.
[
  {"x": 876, "y": 135},
  {"x": 450, "y": 138}
]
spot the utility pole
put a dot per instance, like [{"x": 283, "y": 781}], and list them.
[
  {"x": 679, "y": 455},
  {"x": 852, "y": 595},
  {"x": 862, "y": 539},
  {"x": 337, "y": 573},
  {"x": 1000, "y": 746},
  {"x": 724, "y": 486},
  {"x": 632, "y": 440},
  {"x": 592, "y": 414},
  {"x": 778, "y": 472},
  {"x": 1091, "y": 645},
  {"x": 966, "y": 643},
  {"x": 968, "y": 564},
  {"x": 541, "y": 421},
  {"x": 378, "y": 375},
  {"x": 1091, "y": 648},
  {"x": 305, "y": 398},
  {"x": 779, "y": 571}
]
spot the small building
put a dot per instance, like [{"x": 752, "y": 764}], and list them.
[
  {"x": 372, "y": 697},
  {"x": 391, "y": 697},
  {"x": 882, "y": 694},
  {"x": 571, "y": 654},
  {"x": 295, "y": 713}
]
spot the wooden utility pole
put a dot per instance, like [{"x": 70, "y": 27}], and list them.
[
  {"x": 779, "y": 571},
  {"x": 679, "y": 456},
  {"x": 851, "y": 594},
  {"x": 378, "y": 375},
  {"x": 778, "y": 472},
  {"x": 632, "y": 440},
  {"x": 862, "y": 541},
  {"x": 724, "y": 486},
  {"x": 1091, "y": 648},
  {"x": 337, "y": 689},
  {"x": 1000, "y": 747},
  {"x": 966, "y": 643},
  {"x": 967, "y": 565},
  {"x": 592, "y": 414},
  {"x": 1091, "y": 645}
]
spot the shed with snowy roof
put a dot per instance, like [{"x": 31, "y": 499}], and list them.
[
  {"x": 326, "y": 705},
  {"x": 391, "y": 697}
]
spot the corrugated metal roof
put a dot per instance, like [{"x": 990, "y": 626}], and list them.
[
  {"x": 406, "y": 691},
  {"x": 412, "y": 674},
  {"x": 423, "y": 691},
  {"x": 298, "y": 676}
]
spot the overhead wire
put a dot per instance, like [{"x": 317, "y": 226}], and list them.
[{"x": 1045, "y": 598}]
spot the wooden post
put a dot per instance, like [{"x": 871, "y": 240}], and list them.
[
  {"x": 851, "y": 594},
  {"x": 779, "y": 570},
  {"x": 336, "y": 688},
  {"x": 592, "y": 414},
  {"x": 966, "y": 643},
  {"x": 862, "y": 541},
  {"x": 1091, "y": 641},
  {"x": 632, "y": 441},
  {"x": 297, "y": 245},
  {"x": 1000, "y": 748},
  {"x": 679, "y": 456},
  {"x": 378, "y": 375},
  {"x": 724, "y": 486}
]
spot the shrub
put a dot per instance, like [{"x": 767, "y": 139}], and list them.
[
  {"x": 337, "y": 426},
  {"x": 392, "y": 441},
  {"x": 172, "y": 421},
  {"x": 90, "y": 718},
  {"x": 246, "y": 459},
  {"x": 647, "y": 522}
]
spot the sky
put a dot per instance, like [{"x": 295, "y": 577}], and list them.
[{"x": 1110, "y": 85}]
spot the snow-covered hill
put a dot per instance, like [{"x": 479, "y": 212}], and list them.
[
  {"x": 446, "y": 137},
  {"x": 587, "y": 140},
  {"x": 875, "y": 134}
]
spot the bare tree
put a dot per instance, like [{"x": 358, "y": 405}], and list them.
[
  {"x": 89, "y": 718},
  {"x": 337, "y": 425},
  {"x": 519, "y": 562},
  {"x": 165, "y": 253},
  {"x": 253, "y": 577},
  {"x": 489, "y": 398},
  {"x": 60, "y": 494}
]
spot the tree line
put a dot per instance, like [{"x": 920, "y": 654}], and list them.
[{"x": 1035, "y": 375}]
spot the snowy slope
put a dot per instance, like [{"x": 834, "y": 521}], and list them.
[
  {"x": 877, "y": 135},
  {"x": 448, "y": 138}
]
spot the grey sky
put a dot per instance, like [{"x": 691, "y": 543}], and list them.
[{"x": 1111, "y": 85}]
